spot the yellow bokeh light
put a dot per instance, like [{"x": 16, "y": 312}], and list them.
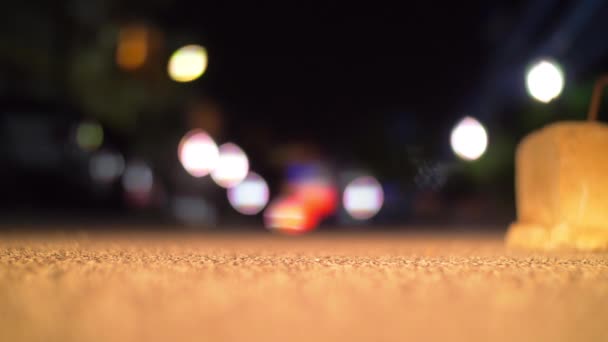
[
  {"x": 89, "y": 135},
  {"x": 188, "y": 63}
]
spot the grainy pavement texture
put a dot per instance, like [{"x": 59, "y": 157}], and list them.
[{"x": 189, "y": 287}]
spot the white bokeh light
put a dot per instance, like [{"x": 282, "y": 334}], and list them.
[
  {"x": 250, "y": 196},
  {"x": 198, "y": 153},
  {"x": 469, "y": 139},
  {"x": 105, "y": 166},
  {"x": 232, "y": 166},
  {"x": 545, "y": 81},
  {"x": 188, "y": 63},
  {"x": 138, "y": 178},
  {"x": 363, "y": 198}
]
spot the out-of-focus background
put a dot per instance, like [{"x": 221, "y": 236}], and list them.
[{"x": 290, "y": 116}]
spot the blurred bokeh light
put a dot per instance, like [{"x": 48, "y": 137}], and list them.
[
  {"x": 312, "y": 185},
  {"x": 86, "y": 87},
  {"x": 232, "y": 166},
  {"x": 138, "y": 178},
  {"x": 289, "y": 215},
  {"x": 545, "y": 80},
  {"x": 363, "y": 198},
  {"x": 106, "y": 166},
  {"x": 138, "y": 183},
  {"x": 193, "y": 210},
  {"x": 89, "y": 135},
  {"x": 250, "y": 196},
  {"x": 198, "y": 153},
  {"x": 469, "y": 139},
  {"x": 132, "y": 47},
  {"x": 188, "y": 63}
]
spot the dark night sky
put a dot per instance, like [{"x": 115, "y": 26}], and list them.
[{"x": 337, "y": 65}]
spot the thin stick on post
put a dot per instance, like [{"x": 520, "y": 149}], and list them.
[{"x": 596, "y": 97}]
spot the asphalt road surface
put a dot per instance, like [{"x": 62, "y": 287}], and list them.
[{"x": 161, "y": 287}]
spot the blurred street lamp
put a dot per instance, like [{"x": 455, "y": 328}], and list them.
[
  {"x": 198, "y": 153},
  {"x": 250, "y": 196},
  {"x": 232, "y": 166},
  {"x": 469, "y": 139},
  {"x": 363, "y": 198},
  {"x": 545, "y": 80},
  {"x": 188, "y": 63}
]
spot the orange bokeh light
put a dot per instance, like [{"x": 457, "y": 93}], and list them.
[
  {"x": 319, "y": 198},
  {"x": 290, "y": 216},
  {"x": 133, "y": 46}
]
